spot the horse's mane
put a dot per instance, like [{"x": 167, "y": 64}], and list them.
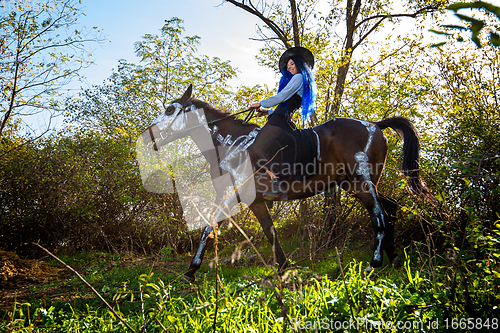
[{"x": 214, "y": 114}]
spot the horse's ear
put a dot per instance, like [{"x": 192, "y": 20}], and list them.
[{"x": 187, "y": 93}]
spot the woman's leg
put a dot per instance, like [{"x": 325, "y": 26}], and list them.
[{"x": 271, "y": 149}]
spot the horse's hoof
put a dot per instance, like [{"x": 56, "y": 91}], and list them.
[
  {"x": 375, "y": 263},
  {"x": 367, "y": 271},
  {"x": 396, "y": 263},
  {"x": 188, "y": 279}
]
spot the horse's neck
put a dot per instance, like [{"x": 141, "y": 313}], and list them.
[
  {"x": 225, "y": 132},
  {"x": 223, "y": 128}
]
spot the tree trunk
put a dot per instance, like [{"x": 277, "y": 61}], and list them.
[
  {"x": 295, "y": 23},
  {"x": 332, "y": 197},
  {"x": 352, "y": 12},
  {"x": 13, "y": 95}
]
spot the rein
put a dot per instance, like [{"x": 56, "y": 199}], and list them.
[{"x": 247, "y": 118}]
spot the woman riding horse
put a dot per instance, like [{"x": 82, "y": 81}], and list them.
[{"x": 297, "y": 89}]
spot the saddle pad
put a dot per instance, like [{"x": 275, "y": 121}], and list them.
[{"x": 306, "y": 152}]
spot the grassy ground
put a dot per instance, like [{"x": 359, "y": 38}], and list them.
[{"x": 315, "y": 296}]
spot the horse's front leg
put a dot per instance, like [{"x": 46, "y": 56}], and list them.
[{"x": 206, "y": 235}]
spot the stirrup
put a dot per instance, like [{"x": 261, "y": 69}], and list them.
[{"x": 275, "y": 192}]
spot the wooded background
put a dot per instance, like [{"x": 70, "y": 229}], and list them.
[{"x": 78, "y": 187}]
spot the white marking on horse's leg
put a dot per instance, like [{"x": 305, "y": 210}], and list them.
[
  {"x": 196, "y": 259},
  {"x": 377, "y": 256},
  {"x": 203, "y": 244},
  {"x": 364, "y": 170},
  {"x": 378, "y": 212},
  {"x": 319, "y": 149}
]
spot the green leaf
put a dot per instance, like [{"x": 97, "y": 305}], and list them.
[
  {"x": 453, "y": 26},
  {"x": 438, "y": 44},
  {"x": 154, "y": 286},
  {"x": 476, "y": 26},
  {"x": 478, "y": 4},
  {"x": 197, "y": 308},
  {"x": 440, "y": 32},
  {"x": 459, "y": 5},
  {"x": 495, "y": 39}
]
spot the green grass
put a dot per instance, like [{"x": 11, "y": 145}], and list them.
[{"x": 312, "y": 298}]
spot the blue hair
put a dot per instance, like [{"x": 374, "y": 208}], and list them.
[{"x": 310, "y": 91}]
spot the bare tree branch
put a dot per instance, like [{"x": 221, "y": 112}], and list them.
[
  {"x": 12, "y": 97},
  {"x": 413, "y": 15},
  {"x": 273, "y": 26},
  {"x": 30, "y": 69},
  {"x": 384, "y": 17}
]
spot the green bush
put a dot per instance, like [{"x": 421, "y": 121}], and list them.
[{"x": 83, "y": 192}]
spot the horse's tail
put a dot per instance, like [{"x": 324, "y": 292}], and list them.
[{"x": 411, "y": 148}]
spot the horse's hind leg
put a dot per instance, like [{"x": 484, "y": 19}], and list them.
[
  {"x": 382, "y": 225},
  {"x": 390, "y": 208},
  {"x": 261, "y": 211}
]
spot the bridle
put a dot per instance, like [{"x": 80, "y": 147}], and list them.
[{"x": 247, "y": 118}]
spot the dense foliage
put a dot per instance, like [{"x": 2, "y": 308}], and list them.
[
  {"x": 84, "y": 192},
  {"x": 80, "y": 189}
]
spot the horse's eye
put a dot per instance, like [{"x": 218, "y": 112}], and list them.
[{"x": 170, "y": 110}]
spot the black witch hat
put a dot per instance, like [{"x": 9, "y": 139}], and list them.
[{"x": 299, "y": 52}]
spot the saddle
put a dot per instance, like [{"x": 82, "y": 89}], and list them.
[{"x": 304, "y": 151}]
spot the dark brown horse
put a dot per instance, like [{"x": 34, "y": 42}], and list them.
[{"x": 352, "y": 154}]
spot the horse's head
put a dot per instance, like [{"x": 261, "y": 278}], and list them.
[{"x": 180, "y": 116}]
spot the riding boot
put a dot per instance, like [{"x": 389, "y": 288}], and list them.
[{"x": 276, "y": 192}]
